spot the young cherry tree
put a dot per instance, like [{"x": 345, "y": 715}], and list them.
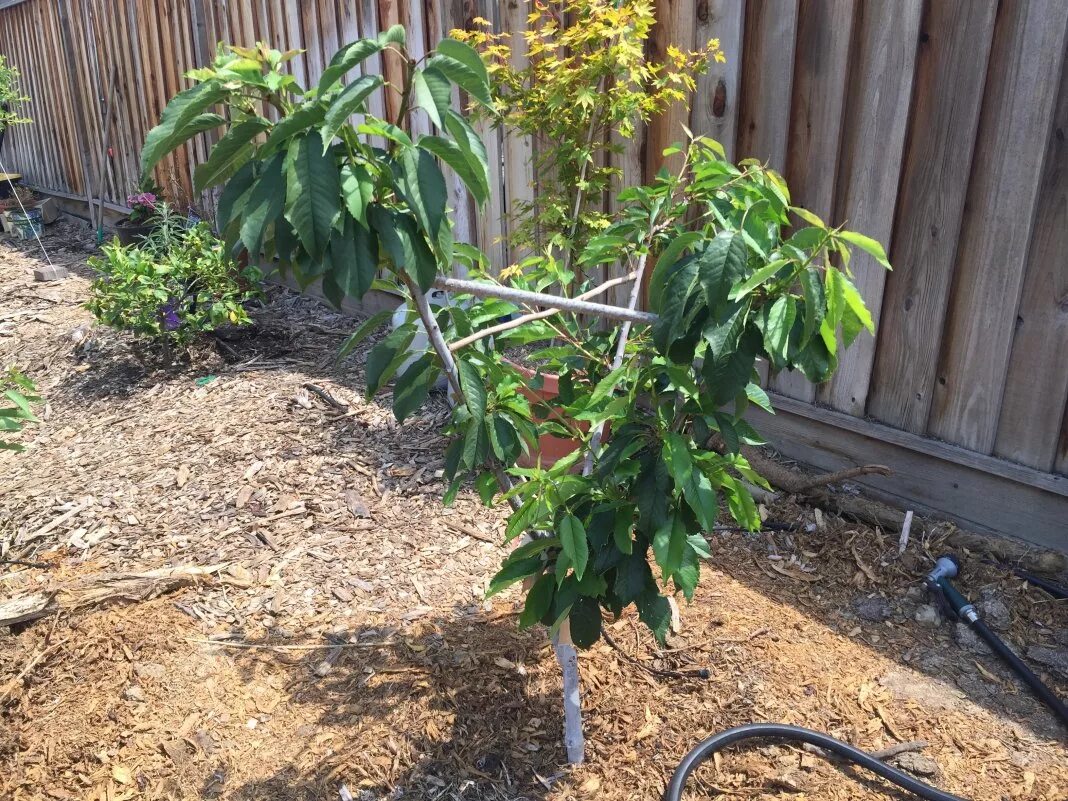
[{"x": 659, "y": 411}]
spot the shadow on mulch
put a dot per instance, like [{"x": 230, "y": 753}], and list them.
[{"x": 431, "y": 714}]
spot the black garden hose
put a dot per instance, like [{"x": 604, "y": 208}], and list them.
[
  {"x": 1038, "y": 687},
  {"x": 779, "y": 731}
]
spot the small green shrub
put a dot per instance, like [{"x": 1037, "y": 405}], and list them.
[
  {"x": 174, "y": 286},
  {"x": 10, "y": 96},
  {"x": 18, "y": 392}
]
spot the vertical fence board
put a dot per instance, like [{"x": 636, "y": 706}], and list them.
[
  {"x": 767, "y": 81},
  {"x": 492, "y": 223},
  {"x": 1029, "y": 43},
  {"x": 950, "y": 76},
  {"x": 714, "y": 110},
  {"x": 674, "y": 26},
  {"x": 1034, "y": 399},
  {"x": 518, "y": 149},
  {"x": 821, "y": 69},
  {"x": 872, "y": 145}
]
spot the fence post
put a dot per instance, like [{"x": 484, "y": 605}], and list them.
[{"x": 81, "y": 123}]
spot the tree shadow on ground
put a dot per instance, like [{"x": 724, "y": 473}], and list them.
[{"x": 445, "y": 710}]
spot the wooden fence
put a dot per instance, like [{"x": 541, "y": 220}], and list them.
[{"x": 938, "y": 127}]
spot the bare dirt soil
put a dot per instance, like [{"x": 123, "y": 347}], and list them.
[{"x": 341, "y": 641}]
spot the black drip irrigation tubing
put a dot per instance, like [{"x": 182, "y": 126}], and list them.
[{"x": 778, "y": 731}]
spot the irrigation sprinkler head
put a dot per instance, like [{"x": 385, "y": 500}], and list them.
[{"x": 946, "y": 567}]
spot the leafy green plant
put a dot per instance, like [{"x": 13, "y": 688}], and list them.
[
  {"x": 330, "y": 191},
  {"x": 734, "y": 282},
  {"x": 586, "y": 84},
  {"x": 174, "y": 286},
  {"x": 10, "y": 96},
  {"x": 18, "y": 393}
]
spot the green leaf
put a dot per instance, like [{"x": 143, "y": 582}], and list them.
[
  {"x": 412, "y": 387},
  {"x": 462, "y": 65},
  {"x": 676, "y": 309},
  {"x": 232, "y": 200},
  {"x": 727, "y": 375},
  {"x": 387, "y": 356},
  {"x": 474, "y": 389},
  {"x": 265, "y": 201},
  {"x": 668, "y": 264},
  {"x": 353, "y": 258},
  {"x": 573, "y": 541},
  {"x": 229, "y": 154},
  {"x": 304, "y": 118},
  {"x": 585, "y": 622},
  {"x": 720, "y": 265},
  {"x": 669, "y": 542},
  {"x": 347, "y": 103},
  {"x": 633, "y": 578},
  {"x": 394, "y": 35},
  {"x": 432, "y": 92},
  {"x": 815, "y": 304},
  {"x": 621, "y": 529},
  {"x": 357, "y": 188},
  {"x": 471, "y": 172},
  {"x": 653, "y": 491},
  {"x": 688, "y": 573},
  {"x": 756, "y": 395},
  {"x": 867, "y": 244},
  {"x": 655, "y": 612},
  {"x": 365, "y": 329},
  {"x": 345, "y": 59},
  {"x": 780, "y": 319},
  {"x": 855, "y": 304},
  {"x": 694, "y": 484},
  {"x": 404, "y": 245},
  {"x": 808, "y": 216},
  {"x": 513, "y": 572},
  {"x": 758, "y": 278},
  {"x": 423, "y": 187},
  {"x": 182, "y": 119},
  {"x": 313, "y": 193},
  {"x": 470, "y": 143},
  {"x": 539, "y": 601}
]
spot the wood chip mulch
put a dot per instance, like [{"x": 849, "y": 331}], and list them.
[{"x": 312, "y": 623}]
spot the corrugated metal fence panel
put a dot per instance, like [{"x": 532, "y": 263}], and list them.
[{"x": 939, "y": 127}]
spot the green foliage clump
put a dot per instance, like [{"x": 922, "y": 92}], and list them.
[
  {"x": 17, "y": 392},
  {"x": 175, "y": 285},
  {"x": 330, "y": 190},
  {"x": 740, "y": 275},
  {"x": 585, "y": 85},
  {"x": 10, "y": 96}
]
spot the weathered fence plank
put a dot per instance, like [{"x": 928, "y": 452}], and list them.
[
  {"x": 950, "y": 76},
  {"x": 824, "y": 34},
  {"x": 1029, "y": 419},
  {"x": 1028, "y": 48},
  {"x": 714, "y": 110},
  {"x": 872, "y": 144}
]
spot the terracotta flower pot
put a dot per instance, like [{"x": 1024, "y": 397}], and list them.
[{"x": 549, "y": 448}]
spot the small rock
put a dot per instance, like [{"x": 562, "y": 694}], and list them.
[
  {"x": 968, "y": 639},
  {"x": 149, "y": 670},
  {"x": 134, "y": 693},
  {"x": 1056, "y": 659},
  {"x": 927, "y": 615},
  {"x": 993, "y": 610},
  {"x": 915, "y": 594},
  {"x": 875, "y": 610},
  {"x": 917, "y": 764},
  {"x": 1061, "y": 636}
]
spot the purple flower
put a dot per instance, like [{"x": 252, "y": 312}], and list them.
[{"x": 170, "y": 316}]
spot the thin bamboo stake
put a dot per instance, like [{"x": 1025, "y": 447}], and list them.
[
  {"x": 482, "y": 290},
  {"x": 529, "y": 318}
]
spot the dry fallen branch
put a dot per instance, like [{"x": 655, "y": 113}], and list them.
[
  {"x": 844, "y": 475},
  {"x": 103, "y": 589}
]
